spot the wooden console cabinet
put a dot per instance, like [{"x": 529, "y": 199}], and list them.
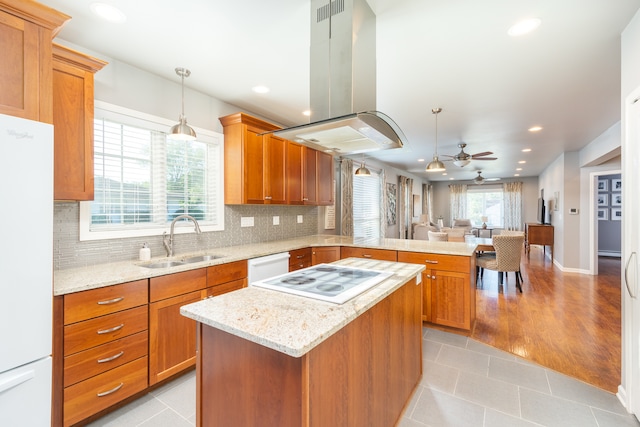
[{"x": 538, "y": 234}]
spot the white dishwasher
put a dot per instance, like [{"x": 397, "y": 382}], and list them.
[{"x": 268, "y": 266}]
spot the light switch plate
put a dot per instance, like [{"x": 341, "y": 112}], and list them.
[
  {"x": 276, "y": 220},
  {"x": 246, "y": 221},
  {"x": 573, "y": 211},
  {"x": 299, "y": 219}
]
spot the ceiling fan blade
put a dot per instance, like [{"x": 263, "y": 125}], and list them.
[
  {"x": 484, "y": 153},
  {"x": 446, "y": 155},
  {"x": 485, "y": 158}
]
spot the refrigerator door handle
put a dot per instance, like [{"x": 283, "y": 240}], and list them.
[
  {"x": 17, "y": 380},
  {"x": 635, "y": 275}
]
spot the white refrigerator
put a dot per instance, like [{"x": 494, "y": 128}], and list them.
[{"x": 26, "y": 270}]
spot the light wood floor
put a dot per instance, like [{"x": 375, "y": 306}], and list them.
[{"x": 568, "y": 322}]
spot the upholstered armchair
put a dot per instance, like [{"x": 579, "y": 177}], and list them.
[
  {"x": 465, "y": 224},
  {"x": 421, "y": 231}
]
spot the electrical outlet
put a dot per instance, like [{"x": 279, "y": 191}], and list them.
[
  {"x": 300, "y": 219},
  {"x": 276, "y": 220},
  {"x": 246, "y": 221}
]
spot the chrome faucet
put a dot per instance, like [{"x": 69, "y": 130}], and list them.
[{"x": 167, "y": 240}]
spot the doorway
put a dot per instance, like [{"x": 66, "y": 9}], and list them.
[{"x": 605, "y": 214}]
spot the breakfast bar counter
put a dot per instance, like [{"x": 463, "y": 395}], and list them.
[{"x": 274, "y": 359}]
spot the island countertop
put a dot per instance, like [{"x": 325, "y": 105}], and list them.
[
  {"x": 96, "y": 276},
  {"x": 292, "y": 324}
]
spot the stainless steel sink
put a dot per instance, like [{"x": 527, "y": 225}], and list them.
[
  {"x": 163, "y": 264},
  {"x": 200, "y": 258}
]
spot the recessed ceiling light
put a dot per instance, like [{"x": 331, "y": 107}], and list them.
[
  {"x": 444, "y": 173},
  {"x": 260, "y": 89},
  {"x": 108, "y": 12},
  {"x": 421, "y": 160},
  {"x": 518, "y": 169},
  {"x": 516, "y": 174},
  {"x": 451, "y": 179},
  {"x": 523, "y": 27},
  {"x": 306, "y": 113},
  {"x": 535, "y": 128},
  {"x": 522, "y": 162},
  {"x": 526, "y": 150}
]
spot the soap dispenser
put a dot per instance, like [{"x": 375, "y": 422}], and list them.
[{"x": 145, "y": 252}]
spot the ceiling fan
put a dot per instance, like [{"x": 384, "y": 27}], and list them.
[
  {"x": 481, "y": 179},
  {"x": 462, "y": 159}
]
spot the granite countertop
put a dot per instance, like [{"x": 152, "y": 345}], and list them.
[
  {"x": 96, "y": 276},
  {"x": 292, "y": 324}
]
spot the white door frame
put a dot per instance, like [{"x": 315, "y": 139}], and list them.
[{"x": 593, "y": 218}]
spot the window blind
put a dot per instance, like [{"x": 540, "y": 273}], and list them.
[{"x": 366, "y": 206}]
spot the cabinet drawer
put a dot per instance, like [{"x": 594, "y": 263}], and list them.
[
  {"x": 380, "y": 254},
  {"x": 98, "y": 302},
  {"x": 88, "y": 363},
  {"x": 177, "y": 284},
  {"x": 300, "y": 264},
  {"x": 437, "y": 261},
  {"x": 299, "y": 258},
  {"x": 226, "y": 287},
  {"x": 90, "y": 333},
  {"x": 218, "y": 274},
  {"x": 95, "y": 394}
]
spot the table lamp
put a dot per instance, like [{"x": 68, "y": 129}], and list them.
[{"x": 484, "y": 221}]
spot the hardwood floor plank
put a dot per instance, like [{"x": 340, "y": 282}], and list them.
[{"x": 568, "y": 322}]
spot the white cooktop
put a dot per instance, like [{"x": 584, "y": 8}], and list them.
[{"x": 327, "y": 282}]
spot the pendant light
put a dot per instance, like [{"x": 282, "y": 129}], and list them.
[
  {"x": 362, "y": 170},
  {"x": 182, "y": 131},
  {"x": 436, "y": 165}
]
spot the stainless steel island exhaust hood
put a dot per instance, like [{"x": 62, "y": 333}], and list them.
[{"x": 343, "y": 83}]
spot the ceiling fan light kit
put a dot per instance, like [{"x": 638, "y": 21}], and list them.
[
  {"x": 436, "y": 165},
  {"x": 462, "y": 159}
]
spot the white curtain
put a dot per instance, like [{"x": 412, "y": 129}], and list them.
[
  {"x": 427, "y": 201},
  {"x": 346, "y": 210},
  {"x": 402, "y": 207},
  {"x": 512, "y": 192},
  {"x": 458, "y": 202},
  {"x": 383, "y": 204}
]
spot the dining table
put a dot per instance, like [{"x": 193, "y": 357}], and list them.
[{"x": 484, "y": 244}]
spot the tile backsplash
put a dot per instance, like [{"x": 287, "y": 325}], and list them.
[{"x": 69, "y": 252}]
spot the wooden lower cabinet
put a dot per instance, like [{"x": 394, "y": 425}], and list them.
[
  {"x": 299, "y": 258},
  {"x": 324, "y": 254},
  {"x": 379, "y": 254},
  {"x": 363, "y": 375},
  {"x": 103, "y": 349},
  {"x": 172, "y": 337},
  {"x": 449, "y": 290},
  {"x": 97, "y": 393}
]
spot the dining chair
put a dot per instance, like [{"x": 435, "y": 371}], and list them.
[{"x": 508, "y": 253}]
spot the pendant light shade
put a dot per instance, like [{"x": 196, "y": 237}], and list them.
[
  {"x": 363, "y": 171},
  {"x": 436, "y": 165},
  {"x": 182, "y": 131}
]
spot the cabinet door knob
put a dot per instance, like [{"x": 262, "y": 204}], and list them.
[{"x": 267, "y": 198}]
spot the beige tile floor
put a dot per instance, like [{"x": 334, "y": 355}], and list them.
[{"x": 465, "y": 383}]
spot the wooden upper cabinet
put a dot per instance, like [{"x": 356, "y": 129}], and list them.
[
  {"x": 245, "y": 154},
  {"x": 73, "y": 123},
  {"x": 26, "y": 31},
  {"x": 295, "y": 173},
  {"x": 266, "y": 169},
  {"x": 325, "y": 178},
  {"x": 275, "y": 167}
]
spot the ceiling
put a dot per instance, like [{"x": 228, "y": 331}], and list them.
[{"x": 453, "y": 54}]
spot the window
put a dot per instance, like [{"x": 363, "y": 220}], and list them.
[
  {"x": 485, "y": 201},
  {"x": 366, "y": 205},
  {"x": 143, "y": 180}
]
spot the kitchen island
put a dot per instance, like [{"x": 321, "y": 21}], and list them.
[{"x": 270, "y": 358}]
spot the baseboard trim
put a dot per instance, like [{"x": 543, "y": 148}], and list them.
[
  {"x": 622, "y": 397},
  {"x": 570, "y": 270}
]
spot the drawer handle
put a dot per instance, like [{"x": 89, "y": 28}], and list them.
[
  {"x": 366, "y": 256},
  {"x": 110, "y": 301},
  {"x": 300, "y": 256},
  {"x": 109, "y": 359},
  {"x": 106, "y": 331},
  {"x": 113, "y": 390},
  {"x": 430, "y": 262},
  {"x": 305, "y": 199}
]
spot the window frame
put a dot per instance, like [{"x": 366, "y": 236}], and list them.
[
  {"x": 491, "y": 188},
  {"x": 139, "y": 119}
]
